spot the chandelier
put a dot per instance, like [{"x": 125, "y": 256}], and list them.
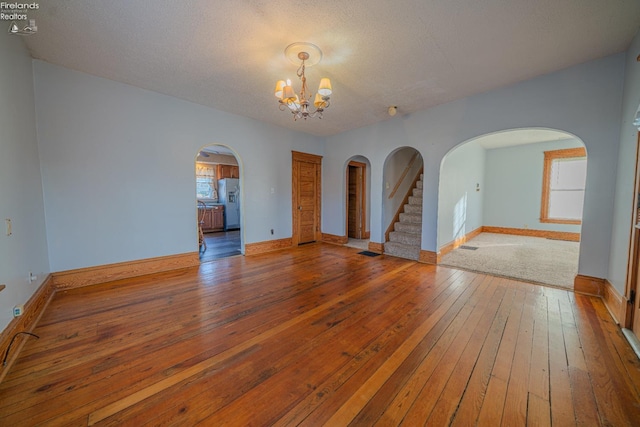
[{"x": 307, "y": 55}]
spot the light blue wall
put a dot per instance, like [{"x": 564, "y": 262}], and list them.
[
  {"x": 20, "y": 185},
  {"x": 460, "y": 206},
  {"x": 118, "y": 169},
  {"x": 514, "y": 186},
  {"x": 623, "y": 206},
  {"x": 584, "y": 100}
]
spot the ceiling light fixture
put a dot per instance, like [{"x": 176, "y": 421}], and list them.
[{"x": 307, "y": 55}]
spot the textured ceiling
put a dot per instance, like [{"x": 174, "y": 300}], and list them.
[{"x": 412, "y": 53}]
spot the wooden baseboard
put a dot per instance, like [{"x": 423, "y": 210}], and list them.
[
  {"x": 557, "y": 235},
  {"x": 267, "y": 246},
  {"x": 615, "y": 303},
  {"x": 458, "y": 242},
  {"x": 335, "y": 240},
  {"x": 589, "y": 285},
  {"x": 428, "y": 257},
  {"x": 33, "y": 310},
  {"x": 376, "y": 247},
  {"x": 123, "y": 270}
]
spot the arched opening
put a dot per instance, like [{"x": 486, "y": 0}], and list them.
[
  {"x": 402, "y": 203},
  {"x": 218, "y": 175},
  {"x": 357, "y": 201},
  {"x": 510, "y": 204}
]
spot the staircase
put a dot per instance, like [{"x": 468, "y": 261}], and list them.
[{"x": 405, "y": 240}]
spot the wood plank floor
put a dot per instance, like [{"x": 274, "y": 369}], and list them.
[{"x": 319, "y": 335}]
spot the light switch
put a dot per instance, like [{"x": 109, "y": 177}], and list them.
[{"x": 8, "y": 226}]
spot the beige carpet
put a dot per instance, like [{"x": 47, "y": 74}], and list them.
[
  {"x": 532, "y": 259},
  {"x": 358, "y": 243}
]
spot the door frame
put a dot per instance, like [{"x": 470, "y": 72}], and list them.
[
  {"x": 363, "y": 199},
  {"x": 297, "y": 157},
  {"x": 633, "y": 264}
]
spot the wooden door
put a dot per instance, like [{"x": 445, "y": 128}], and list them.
[
  {"x": 356, "y": 200},
  {"x": 632, "y": 320},
  {"x": 306, "y": 184}
]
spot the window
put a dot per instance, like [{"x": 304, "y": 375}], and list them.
[
  {"x": 563, "y": 182},
  {"x": 205, "y": 181}
]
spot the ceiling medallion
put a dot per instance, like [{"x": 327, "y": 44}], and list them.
[{"x": 304, "y": 55}]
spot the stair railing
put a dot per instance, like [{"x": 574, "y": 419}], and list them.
[
  {"x": 404, "y": 173},
  {"x": 396, "y": 218}
]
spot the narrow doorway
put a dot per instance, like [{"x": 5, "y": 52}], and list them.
[
  {"x": 218, "y": 191},
  {"x": 631, "y": 322},
  {"x": 356, "y": 191}
]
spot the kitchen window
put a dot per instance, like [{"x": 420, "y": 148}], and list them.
[
  {"x": 205, "y": 181},
  {"x": 563, "y": 185}
]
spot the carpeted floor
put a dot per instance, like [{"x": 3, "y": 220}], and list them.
[
  {"x": 532, "y": 259},
  {"x": 358, "y": 243}
]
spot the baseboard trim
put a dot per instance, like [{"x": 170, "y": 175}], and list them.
[
  {"x": 33, "y": 310},
  {"x": 334, "y": 239},
  {"x": 589, "y": 285},
  {"x": 615, "y": 303},
  {"x": 557, "y": 235},
  {"x": 458, "y": 242},
  {"x": 267, "y": 246},
  {"x": 77, "y": 278},
  {"x": 428, "y": 257},
  {"x": 376, "y": 247}
]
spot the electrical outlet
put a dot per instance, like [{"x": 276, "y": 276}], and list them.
[
  {"x": 9, "y": 228},
  {"x": 32, "y": 277},
  {"x": 18, "y": 310},
  {"x": 272, "y": 231}
]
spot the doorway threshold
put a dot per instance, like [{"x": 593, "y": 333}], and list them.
[{"x": 633, "y": 340}]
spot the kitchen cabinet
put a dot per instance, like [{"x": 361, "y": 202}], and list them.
[
  {"x": 207, "y": 220},
  {"x": 218, "y": 218},
  {"x": 213, "y": 219},
  {"x": 228, "y": 171}
]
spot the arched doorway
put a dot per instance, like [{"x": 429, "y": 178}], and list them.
[
  {"x": 510, "y": 204},
  {"x": 402, "y": 203},
  {"x": 219, "y": 202}
]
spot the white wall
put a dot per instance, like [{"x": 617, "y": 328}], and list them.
[
  {"x": 20, "y": 185},
  {"x": 119, "y": 174},
  {"x": 514, "y": 186},
  {"x": 584, "y": 100},
  {"x": 460, "y": 206},
  {"x": 623, "y": 206}
]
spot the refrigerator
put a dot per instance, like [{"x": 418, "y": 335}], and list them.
[{"x": 229, "y": 196}]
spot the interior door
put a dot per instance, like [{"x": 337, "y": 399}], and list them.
[
  {"x": 306, "y": 197},
  {"x": 633, "y": 296},
  {"x": 356, "y": 200}
]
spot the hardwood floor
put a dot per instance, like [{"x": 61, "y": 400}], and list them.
[
  {"x": 221, "y": 244},
  {"x": 319, "y": 335}
]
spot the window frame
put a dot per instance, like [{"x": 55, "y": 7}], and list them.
[{"x": 549, "y": 157}]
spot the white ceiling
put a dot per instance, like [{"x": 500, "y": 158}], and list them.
[
  {"x": 520, "y": 137},
  {"x": 415, "y": 54}
]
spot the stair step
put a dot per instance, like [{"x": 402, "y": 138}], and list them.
[
  {"x": 413, "y": 209},
  {"x": 419, "y": 185},
  {"x": 417, "y": 192},
  {"x": 411, "y": 218},
  {"x": 415, "y": 200},
  {"x": 412, "y": 239},
  {"x": 401, "y": 250},
  {"x": 405, "y": 227}
]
